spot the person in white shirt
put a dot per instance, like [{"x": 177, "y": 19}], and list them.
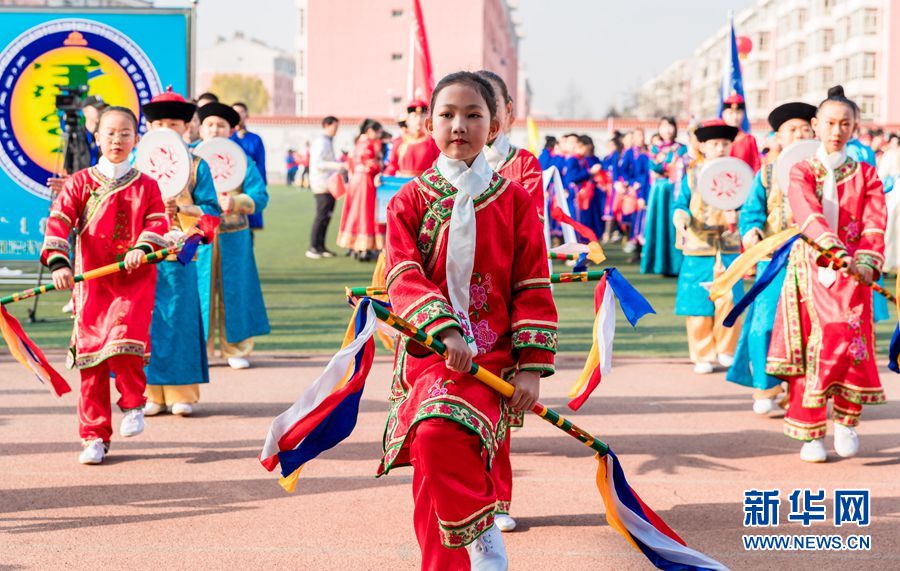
[{"x": 323, "y": 164}]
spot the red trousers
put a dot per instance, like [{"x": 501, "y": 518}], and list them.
[
  {"x": 808, "y": 424},
  {"x": 501, "y": 473},
  {"x": 453, "y": 493},
  {"x": 94, "y": 406}
]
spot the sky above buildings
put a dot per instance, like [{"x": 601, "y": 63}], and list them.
[{"x": 581, "y": 56}]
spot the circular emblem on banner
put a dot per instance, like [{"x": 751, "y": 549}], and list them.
[{"x": 48, "y": 60}]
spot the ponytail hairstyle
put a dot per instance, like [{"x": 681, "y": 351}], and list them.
[
  {"x": 496, "y": 81},
  {"x": 481, "y": 86},
  {"x": 550, "y": 142},
  {"x": 836, "y": 95}
]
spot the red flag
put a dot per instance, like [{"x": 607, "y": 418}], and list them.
[
  {"x": 421, "y": 77},
  {"x": 29, "y": 355}
]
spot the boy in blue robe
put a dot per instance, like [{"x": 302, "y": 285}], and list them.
[
  {"x": 709, "y": 247},
  {"x": 178, "y": 363},
  {"x": 766, "y": 212},
  {"x": 230, "y": 292}
]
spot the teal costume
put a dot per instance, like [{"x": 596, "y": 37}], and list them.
[
  {"x": 766, "y": 211},
  {"x": 227, "y": 268},
  {"x": 179, "y": 347},
  {"x": 659, "y": 254}
]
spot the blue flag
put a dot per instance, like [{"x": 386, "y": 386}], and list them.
[
  {"x": 779, "y": 261},
  {"x": 732, "y": 80},
  {"x": 633, "y": 304}
]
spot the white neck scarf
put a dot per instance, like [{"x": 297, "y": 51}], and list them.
[
  {"x": 830, "y": 205},
  {"x": 497, "y": 151},
  {"x": 470, "y": 182},
  {"x": 112, "y": 170}
]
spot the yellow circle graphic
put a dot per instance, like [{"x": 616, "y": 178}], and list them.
[{"x": 36, "y": 123}]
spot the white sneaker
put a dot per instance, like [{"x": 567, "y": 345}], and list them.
[
  {"x": 69, "y": 307},
  {"x": 703, "y": 368},
  {"x": 846, "y": 441},
  {"x": 504, "y": 522},
  {"x": 629, "y": 247},
  {"x": 132, "y": 423},
  {"x": 813, "y": 451},
  {"x": 763, "y": 406},
  {"x": 726, "y": 360},
  {"x": 153, "y": 408},
  {"x": 487, "y": 553},
  {"x": 94, "y": 452},
  {"x": 182, "y": 409},
  {"x": 238, "y": 363}
]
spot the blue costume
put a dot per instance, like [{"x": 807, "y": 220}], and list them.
[
  {"x": 660, "y": 256},
  {"x": 229, "y": 280},
  {"x": 256, "y": 150},
  {"x": 546, "y": 159},
  {"x": 767, "y": 212},
  {"x": 636, "y": 170},
  {"x": 176, "y": 335}
]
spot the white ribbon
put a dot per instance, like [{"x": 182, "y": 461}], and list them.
[
  {"x": 497, "y": 151},
  {"x": 469, "y": 182},
  {"x": 830, "y": 205}
]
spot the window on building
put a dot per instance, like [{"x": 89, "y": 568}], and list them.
[
  {"x": 800, "y": 18},
  {"x": 829, "y": 5},
  {"x": 396, "y": 56},
  {"x": 396, "y": 99},
  {"x": 869, "y": 60},
  {"x": 867, "y": 107},
  {"x": 855, "y": 24},
  {"x": 827, "y": 39},
  {"x": 301, "y": 63},
  {"x": 762, "y": 40},
  {"x": 301, "y": 103},
  {"x": 870, "y": 21},
  {"x": 827, "y": 77},
  {"x": 301, "y": 15},
  {"x": 396, "y": 12}
]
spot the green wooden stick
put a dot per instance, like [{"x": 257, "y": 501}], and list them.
[
  {"x": 157, "y": 256},
  {"x": 490, "y": 379}
]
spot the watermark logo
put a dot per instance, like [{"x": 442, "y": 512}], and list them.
[{"x": 807, "y": 506}]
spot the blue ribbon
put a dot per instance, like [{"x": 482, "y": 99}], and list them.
[
  {"x": 186, "y": 255},
  {"x": 894, "y": 351},
  {"x": 633, "y": 304},
  {"x": 779, "y": 261}
]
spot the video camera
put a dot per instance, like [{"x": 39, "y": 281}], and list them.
[{"x": 69, "y": 102}]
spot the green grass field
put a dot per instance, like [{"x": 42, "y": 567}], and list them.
[{"x": 308, "y": 311}]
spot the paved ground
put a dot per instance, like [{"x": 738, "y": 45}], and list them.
[{"x": 189, "y": 494}]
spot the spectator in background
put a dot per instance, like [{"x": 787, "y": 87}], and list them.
[
  {"x": 303, "y": 163},
  {"x": 91, "y": 109},
  {"x": 253, "y": 146},
  {"x": 323, "y": 164},
  {"x": 292, "y": 165},
  {"x": 205, "y": 98}
]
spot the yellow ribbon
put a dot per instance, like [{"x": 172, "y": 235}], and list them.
[{"x": 746, "y": 261}]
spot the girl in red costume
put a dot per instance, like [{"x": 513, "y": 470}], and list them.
[
  {"x": 467, "y": 263},
  {"x": 823, "y": 342},
  {"x": 118, "y": 215}
]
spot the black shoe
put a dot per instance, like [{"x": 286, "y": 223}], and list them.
[{"x": 326, "y": 253}]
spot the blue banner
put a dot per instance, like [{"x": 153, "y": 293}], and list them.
[{"x": 123, "y": 58}]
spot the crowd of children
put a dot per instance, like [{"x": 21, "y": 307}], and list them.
[{"x": 466, "y": 260}]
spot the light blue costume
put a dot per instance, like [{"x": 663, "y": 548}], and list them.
[
  {"x": 760, "y": 213},
  {"x": 660, "y": 256},
  {"x": 178, "y": 344},
  {"x": 698, "y": 266},
  {"x": 227, "y": 268}
]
